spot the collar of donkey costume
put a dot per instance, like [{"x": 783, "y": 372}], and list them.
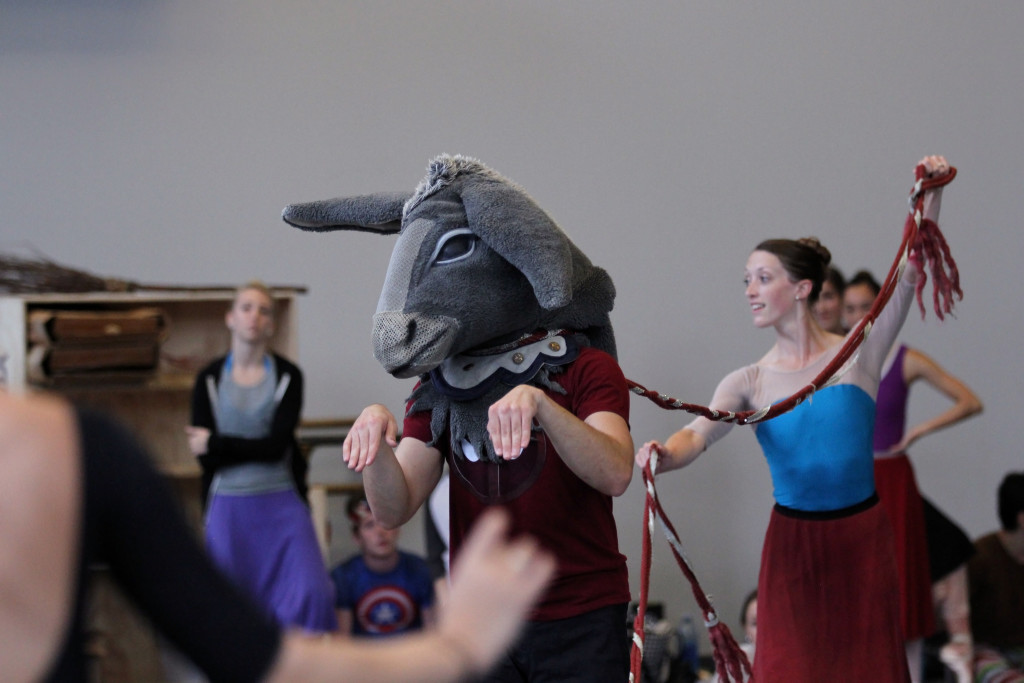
[{"x": 470, "y": 375}]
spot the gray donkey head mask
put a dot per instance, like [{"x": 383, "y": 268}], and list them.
[{"x": 477, "y": 263}]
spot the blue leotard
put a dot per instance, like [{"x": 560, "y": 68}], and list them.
[{"x": 819, "y": 454}]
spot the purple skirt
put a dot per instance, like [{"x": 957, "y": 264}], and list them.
[{"x": 265, "y": 542}]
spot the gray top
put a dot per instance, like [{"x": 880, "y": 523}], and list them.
[{"x": 248, "y": 412}]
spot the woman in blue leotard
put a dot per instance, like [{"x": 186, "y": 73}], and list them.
[{"x": 828, "y": 591}]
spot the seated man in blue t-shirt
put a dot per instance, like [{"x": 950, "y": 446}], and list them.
[{"x": 382, "y": 590}]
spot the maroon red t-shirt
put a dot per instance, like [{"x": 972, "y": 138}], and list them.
[{"x": 567, "y": 516}]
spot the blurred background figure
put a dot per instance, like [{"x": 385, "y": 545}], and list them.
[
  {"x": 381, "y": 591},
  {"x": 245, "y": 409},
  {"x": 828, "y": 309},
  {"x": 435, "y": 530},
  {"x": 997, "y": 590},
  {"x": 932, "y": 550}
]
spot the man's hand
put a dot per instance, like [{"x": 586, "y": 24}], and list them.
[
  {"x": 510, "y": 420},
  {"x": 364, "y": 437}
]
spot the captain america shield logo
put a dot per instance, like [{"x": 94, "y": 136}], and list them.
[{"x": 385, "y": 610}]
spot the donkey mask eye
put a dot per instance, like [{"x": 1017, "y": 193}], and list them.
[{"x": 454, "y": 246}]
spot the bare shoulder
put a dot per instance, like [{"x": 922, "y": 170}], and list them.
[
  {"x": 38, "y": 456},
  {"x": 39, "y": 504},
  {"x": 918, "y": 364},
  {"x": 35, "y": 421}
]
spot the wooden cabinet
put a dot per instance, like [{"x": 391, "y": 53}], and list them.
[
  {"x": 157, "y": 405},
  {"x": 154, "y": 402}
]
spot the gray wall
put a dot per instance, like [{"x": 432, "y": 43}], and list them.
[{"x": 158, "y": 140}]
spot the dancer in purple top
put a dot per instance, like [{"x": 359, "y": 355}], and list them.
[{"x": 931, "y": 550}]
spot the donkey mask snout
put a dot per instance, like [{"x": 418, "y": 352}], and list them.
[{"x": 410, "y": 344}]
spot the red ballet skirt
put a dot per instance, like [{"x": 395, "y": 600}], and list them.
[
  {"x": 897, "y": 489},
  {"x": 828, "y": 599}
]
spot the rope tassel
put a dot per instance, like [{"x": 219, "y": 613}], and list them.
[
  {"x": 930, "y": 250},
  {"x": 730, "y": 659},
  {"x": 931, "y": 247}
]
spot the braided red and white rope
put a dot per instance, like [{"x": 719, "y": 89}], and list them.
[
  {"x": 924, "y": 244},
  {"x": 729, "y": 658}
]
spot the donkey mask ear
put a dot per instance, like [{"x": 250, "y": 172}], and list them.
[
  {"x": 380, "y": 212},
  {"x": 512, "y": 224}
]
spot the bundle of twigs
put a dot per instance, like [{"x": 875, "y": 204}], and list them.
[
  {"x": 19, "y": 275},
  {"x": 39, "y": 274}
]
